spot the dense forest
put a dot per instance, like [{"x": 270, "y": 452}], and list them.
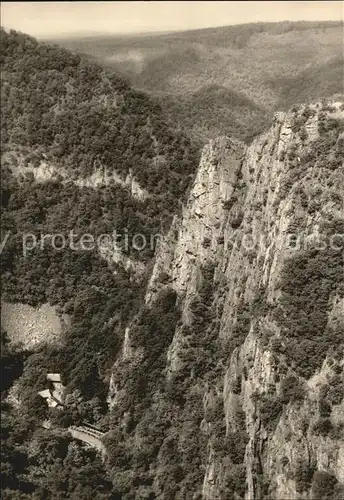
[
  {"x": 60, "y": 109},
  {"x": 59, "y": 104}
]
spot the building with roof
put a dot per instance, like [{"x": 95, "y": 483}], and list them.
[{"x": 54, "y": 396}]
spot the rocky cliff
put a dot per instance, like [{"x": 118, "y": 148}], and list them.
[{"x": 243, "y": 396}]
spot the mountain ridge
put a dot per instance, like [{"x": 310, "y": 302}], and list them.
[{"x": 241, "y": 58}]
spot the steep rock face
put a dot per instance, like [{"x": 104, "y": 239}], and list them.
[
  {"x": 193, "y": 241},
  {"x": 201, "y": 225},
  {"x": 256, "y": 263},
  {"x": 276, "y": 456}
]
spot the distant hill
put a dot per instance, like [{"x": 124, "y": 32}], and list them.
[
  {"x": 215, "y": 109},
  {"x": 268, "y": 65}
]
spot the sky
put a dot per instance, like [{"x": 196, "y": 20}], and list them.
[{"x": 53, "y": 19}]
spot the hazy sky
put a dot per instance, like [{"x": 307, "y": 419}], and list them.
[{"x": 42, "y": 19}]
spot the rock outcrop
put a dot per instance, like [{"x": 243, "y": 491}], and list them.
[
  {"x": 31, "y": 327},
  {"x": 259, "y": 245},
  {"x": 46, "y": 171}
]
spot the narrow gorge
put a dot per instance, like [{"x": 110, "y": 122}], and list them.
[{"x": 172, "y": 265}]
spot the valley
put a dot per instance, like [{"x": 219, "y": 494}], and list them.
[
  {"x": 209, "y": 364},
  {"x": 227, "y": 80}
]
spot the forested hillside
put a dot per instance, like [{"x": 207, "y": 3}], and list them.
[
  {"x": 60, "y": 111},
  {"x": 60, "y": 104},
  {"x": 63, "y": 114},
  {"x": 248, "y": 70}
]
